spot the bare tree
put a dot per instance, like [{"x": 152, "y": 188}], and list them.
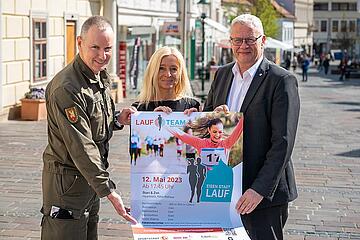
[{"x": 345, "y": 41}]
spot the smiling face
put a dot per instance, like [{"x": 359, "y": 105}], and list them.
[
  {"x": 216, "y": 132},
  {"x": 95, "y": 48},
  {"x": 168, "y": 74},
  {"x": 247, "y": 54}
]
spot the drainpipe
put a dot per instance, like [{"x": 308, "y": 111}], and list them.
[
  {"x": 1, "y": 64},
  {"x": 110, "y": 12},
  {"x": 183, "y": 22}
]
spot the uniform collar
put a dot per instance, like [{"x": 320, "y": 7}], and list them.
[{"x": 103, "y": 78}]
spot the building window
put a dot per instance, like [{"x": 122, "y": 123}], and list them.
[
  {"x": 335, "y": 26},
  {"x": 352, "y": 27},
  {"x": 321, "y": 6},
  {"x": 339, "y": 6},
  {"x": 335, "y": 6},
  {"x": 343, "y": 25},
  {"x": 344, "y": 6},
  {"x": 287, "y": 34},
  {"x": 316, "y": 25},
  {"x": 39, "y": 49},
  {"x": 352, "y": 7},
  {"x": 323, "y": 26}
]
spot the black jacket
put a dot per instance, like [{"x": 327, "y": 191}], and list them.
[{"x": 271, "y": 111}]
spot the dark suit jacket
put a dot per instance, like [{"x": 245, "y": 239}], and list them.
[{"x": 271, "y": 111}]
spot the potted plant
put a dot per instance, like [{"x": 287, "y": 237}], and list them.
[{"x": 33, "y": 105}]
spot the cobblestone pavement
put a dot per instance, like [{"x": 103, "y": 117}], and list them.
[{"x": 326, "y": 159}]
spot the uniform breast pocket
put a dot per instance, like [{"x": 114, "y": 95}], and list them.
[
  {"x": 110, "y": 106},
  {"x": 97, "y": 120}
]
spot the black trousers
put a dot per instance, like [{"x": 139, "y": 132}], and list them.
[{"x": 266, "y": 223}]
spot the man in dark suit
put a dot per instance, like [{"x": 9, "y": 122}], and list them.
[{"x": 268, "y": 97}]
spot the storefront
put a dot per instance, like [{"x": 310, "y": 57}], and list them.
[
  {"x": 140, "y": 34},
  {"x": 215, "y": 35}
]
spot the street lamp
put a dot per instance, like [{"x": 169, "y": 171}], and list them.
[
  {"x": 203, "y": 75},
  {"x": 202, "y": 18}
]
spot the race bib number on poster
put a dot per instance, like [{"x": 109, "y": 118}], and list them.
[{"x": 212, "y": 156}]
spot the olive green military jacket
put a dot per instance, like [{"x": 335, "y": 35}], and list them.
[{"x": 80, "y": 125}]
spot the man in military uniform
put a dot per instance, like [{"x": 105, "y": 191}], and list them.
[{"x": 81, "y": 120}]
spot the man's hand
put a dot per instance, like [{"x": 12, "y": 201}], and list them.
[
  {"x": 248, "y": 202},
  {"x": 189, "y": 111},
  {"x": 124, "y": 116},
  {"x": 118, "y": 204},
  {"x": 222, "y": 108}
]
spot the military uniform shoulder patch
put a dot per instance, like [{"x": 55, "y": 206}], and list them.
[{"x": 72, "y": 114}]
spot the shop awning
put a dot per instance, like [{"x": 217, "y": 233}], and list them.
[
  {"x": 298, "y": 49},
  {"x": 216, "y": 25},
  {"x": 218, "y": 32},
  {"x": 169, "y": 40},
  {"x": 273, "y": 43},
  {"x": 224, "y": 43}
]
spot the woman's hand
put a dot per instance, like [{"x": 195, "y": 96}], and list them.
[
  {"x": 189, "y": 111},
  {"x": 222, "y": 108},
  {"x": 163, "y": 109}
]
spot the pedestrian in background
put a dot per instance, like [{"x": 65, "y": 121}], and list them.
[
  {"x": 294, "y": 63},
  {"x": 305, "y": 64},
  {"x": 211, "y": 63},
  {"x": 343, "y": 69},
  {"x": 268, "y": 97},
  {"x": 326, "y": 63},
  {"x": 81, "y": 119},
  {"x": 287, "y": 63},
  {"x": 321, "y": 62}
]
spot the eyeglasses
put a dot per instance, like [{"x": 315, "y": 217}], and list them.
[{"x": 248, "y": 41}]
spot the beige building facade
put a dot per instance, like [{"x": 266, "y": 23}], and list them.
[
  {"x": 38, "y": 38},
  {"x": 337, "y": 26},
  {"x": 303, "y": 26}
]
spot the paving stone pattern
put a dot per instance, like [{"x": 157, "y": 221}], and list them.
[{"x": 326, "y": 158}]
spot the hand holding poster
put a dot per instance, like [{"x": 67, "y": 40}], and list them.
[{"x": 187, "y": 177}]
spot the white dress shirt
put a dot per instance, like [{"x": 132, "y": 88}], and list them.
[{"x": 240, "y": 85}]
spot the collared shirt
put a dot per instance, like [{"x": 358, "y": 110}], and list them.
[{"x": 240, "y": 85}]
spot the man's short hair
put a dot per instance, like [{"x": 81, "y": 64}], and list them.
[
  {"x": 99, "y": 21},
  {"x": 249, "y": 20}
]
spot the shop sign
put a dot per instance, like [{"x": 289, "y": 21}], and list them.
[
  {"x": 122, "y": 65},
  {"x": 171, "y": 28}
]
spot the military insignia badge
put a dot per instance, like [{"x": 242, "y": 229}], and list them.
[{"x": 72, "y": 114}]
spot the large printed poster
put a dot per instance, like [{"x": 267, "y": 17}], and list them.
[{"x": 186, "y": 175}]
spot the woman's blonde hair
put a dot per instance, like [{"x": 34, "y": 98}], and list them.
[{"x": 150, "y": 88}]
